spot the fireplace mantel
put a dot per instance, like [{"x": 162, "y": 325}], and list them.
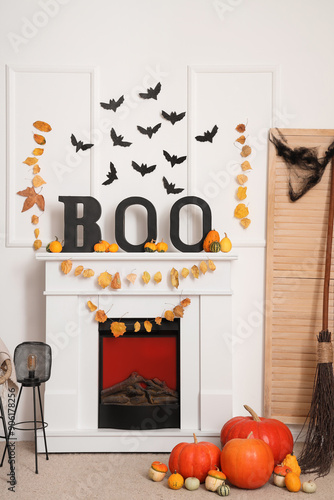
[{"x": 71, "y": 394}]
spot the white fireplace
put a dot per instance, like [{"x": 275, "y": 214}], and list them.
[{"x": 71, "y": 394}]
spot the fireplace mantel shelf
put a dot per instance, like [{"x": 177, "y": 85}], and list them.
[{"x": 134, "y": 256}]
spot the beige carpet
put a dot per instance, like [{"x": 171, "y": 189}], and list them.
[{"x": 118, "y": 476}]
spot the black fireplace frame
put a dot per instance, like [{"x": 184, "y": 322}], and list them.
[{"x": 144, "y": 417}]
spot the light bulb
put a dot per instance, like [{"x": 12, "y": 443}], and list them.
[{"x": 32, "y": 358}]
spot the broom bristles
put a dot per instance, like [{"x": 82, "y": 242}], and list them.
[{"x": 318, "y": 450}]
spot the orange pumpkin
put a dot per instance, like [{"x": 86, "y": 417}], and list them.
[
  {"x": 162, "y": 246},
  {"x": 54, "y": 246},
  {"x": 210, "y": 238},
  {"x": 175, "y": 481},
  {"x": 292, "y": 482},
  {"x": 99, "y": 247},
  {"x": 150, "y": 246},
  {"x": 113, "y": 248}
]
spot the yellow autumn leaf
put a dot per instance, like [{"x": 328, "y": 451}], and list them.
[
  {"x": 136, "y": 326},
  {"x": 158, "y": 320},
  {"x": 34, "y": 219},
  {"x": 88, "y": 273},
  {"x": 148, "y": 326},
  {"x": 242, "y": 193},
  {"x": 38, "y": 181},
  {"x": 78, "y": 270},
  {"x": 203, "y": 267},
  {"x": 246, "y": 165},
  {"x": 66, "y": 266},
  {"x": 241, "y": 211},
  {"x": 37, "y": 244},
  {"x": 117, "y": 328},
  {"x": 40, "y": 139},
  {"x": 185, "y": 302},
  {"x": 38, "y": 151},
  {"x": 132, "y": 278},
  {"x": 36, "y": 233},
  {"x": 104, "y": 279},
  {"x": 240, "y": 128},
  {"x": 212, "y": 265},
  {"x": 146, "y": 277},
  {"x": 101, "y": 316},
  {"x": 116, "y": 282},
  {"x": 169, "y": 315},
  {"x": 30, "y": 161},
  {"x": 178, "y": 311},
  {"x": 241, "y": 139},
  {"x": 92, "y": 307},
  {"x": 36, "y": 169},
  {"x": 245, "y": 222},
  {"x": 157, "y": 277},
  {"x": 174, "y": 275},
  {"x": 195, "y": 271},
  {"x": 242, "y": 179},
  {"x": 42, "y": 126},
  {"x": 246, "y": 151},
  {"x": 185, "y": 272}
]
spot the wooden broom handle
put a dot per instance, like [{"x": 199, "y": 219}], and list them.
[{"x": 328, "y": 252}]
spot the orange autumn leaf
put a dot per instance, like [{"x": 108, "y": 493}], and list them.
[
  {"x": 241, "y": 211},
  {"x": 66, "y": 266},
  {"x": 32, "y": 199},
  {"x": 212, "y": 265},
  {"x": 158, "y": 320},
  {"x": 104, "y": 279},
  {"x": 132, "y": 278},
  {"x": 203, "y": 267},
  {"x": 117, "y": 328},
  {"x": 42, "y": 126},
  {"x": 185, "y": 302},
  {"x": 78, "y": 270},
  {"x": 178, "y": 311},
  {"x": 88, "y": 273},
  {"x": 242, "y": 193},
  {"x": 36, "y": 169},
  {"x": 245, "y": 223},
  {"x": 38, "y": 151},
  {"x": 36, "y": 233},
  {"x": 30, "y": 161},
  {"x": 174, "y": 276},
  {"x": 146, "y": 277},
  {"x": 169, "y": 315},
  {"x": 38, "y": 181},
  {"x": 37, "y": 244},
  {"x": 34, "y": 219},
  {"x": 157, "y": 277},
  {"x": 241, "y": 139},
  {"x": 116, "y": 282},
  {"x": 246, "y": 151},
  {"x": 241, "y": 178},
  {"x": 195, "y": 271},
  {"x": 92, "y": 307},
  {"x": 148, "y": 326},
  {"x": 40, "y": 139},
  {"x": 185, "y": 272},
  {"x": 101, "y": 316},
  {"x": 240, "y": 128},
  {"x": 136, "y": 326},
  {"x": 246, "y": 166}
]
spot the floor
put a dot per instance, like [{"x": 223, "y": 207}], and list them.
[{"x": 118, "y": 476}]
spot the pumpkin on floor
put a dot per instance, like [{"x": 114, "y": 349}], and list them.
[
  {"x": 210, "y": 238},
  {"x": 192, "y": 483},
  {"x": 280, "y": 472},
  {"x": 291, "y": 461},
  {"x": 194, "y": 459},
  {"x": 175, "y": 481},
  {"x": 157, "y": 471},
  {"x": 270, "y": 430},
  {"x": 223, "y": 490},
  {"x": 292, "y": 482},
  {"x": 214, "y": 479},
  {"x": 247, "y": 463}
]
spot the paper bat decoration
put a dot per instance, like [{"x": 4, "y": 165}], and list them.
[
  {"x": 149, "y": 130},
  {"x": 207, "y": 136},
  {"x": 118, "y": 139},
  {"x": 112, "y": 104},
  {"x": 143, "y": 169},
  {"x": 112, "y": 175},
  {"x": 79, "y": 144},
  {"x": 173, "y": 160},
  {"x": 151, "y": 93},
  {"x": 170, "y": 187},
  {"x": 173, "y": 117}
]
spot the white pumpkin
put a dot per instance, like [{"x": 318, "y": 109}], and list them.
[{"x": 309, "y": 486}]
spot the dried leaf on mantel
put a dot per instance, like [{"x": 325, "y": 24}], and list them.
[
  {"x": 78, "y": 270},
  {"x": 203, "y": 267},
  {"x": 212, "y": 265},
  {"x": 88, "y": 273},
  {"x": 136, "y": 326},
  {"x": 146, "y": 277},
  {"x": 148, "y": 326},
  {"x": 178, "y": 311},
  {"x": 117, "y": 328},
  {"x": 185, "y": 302},
  {"x": 116, "y": 282},
  {"x": 104, "y": 279},
  {"x": 195, "y": 271},
  {"x": 101, "y": 316},
  {"x": 185, "y": 272},
  {"x": 158, "y": 320},
  {"x": 157, "y": 277},
  {"x": 169, "y": 315},
  {"x": 174, "y": 275},
  {"x": 92, "y": 307},
  {"x": 66, "y": 266},
  {"x": 132, "y": 278}
]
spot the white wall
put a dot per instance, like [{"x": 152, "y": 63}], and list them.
[{"x": 125, "y": 41}]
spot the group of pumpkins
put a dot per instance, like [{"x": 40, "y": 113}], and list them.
[
  {"x": 253, "y": 448},
  {"x": 212, "y": 242}
]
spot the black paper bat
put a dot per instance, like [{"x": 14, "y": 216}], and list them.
[
  {"x": 112, "y": 103},
  {"x": 149, "y": 130},
  {"x": 151, "y": 93},
  {"x": 173, "y": 117},
  {"x": 170, "y": 187},
  {"x": 207, "y": 136},
  {"x": 143, "y": 169},
  {"x": 173, "y": 160},
  {"x": 118, "y": 139},
  {"x": 112, "y": 175},
  {"x": 80, "y": 145}
]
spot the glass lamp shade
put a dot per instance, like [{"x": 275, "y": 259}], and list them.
[{"x": 33, "y": 361}]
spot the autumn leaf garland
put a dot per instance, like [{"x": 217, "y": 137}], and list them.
[{"x": 241, "y": 210}]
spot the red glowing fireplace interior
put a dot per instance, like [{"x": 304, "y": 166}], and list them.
[{"x": 139, "y": 376}]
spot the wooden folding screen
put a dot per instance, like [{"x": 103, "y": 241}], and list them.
[{"x": 296, "y": 242}]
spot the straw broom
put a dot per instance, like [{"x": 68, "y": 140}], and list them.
[{"x": 318, "y": 450}]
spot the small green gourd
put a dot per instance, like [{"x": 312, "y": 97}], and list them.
[
  {"x": 215, "y": 246},
  {"x": 223, "y": 490}
]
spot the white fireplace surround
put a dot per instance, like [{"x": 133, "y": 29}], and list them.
[{"x": 71, "y": 394}]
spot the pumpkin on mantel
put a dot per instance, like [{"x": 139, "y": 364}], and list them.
[
  {"x": 270, "y": 430},
  {"x": 194, "y": 459}
]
